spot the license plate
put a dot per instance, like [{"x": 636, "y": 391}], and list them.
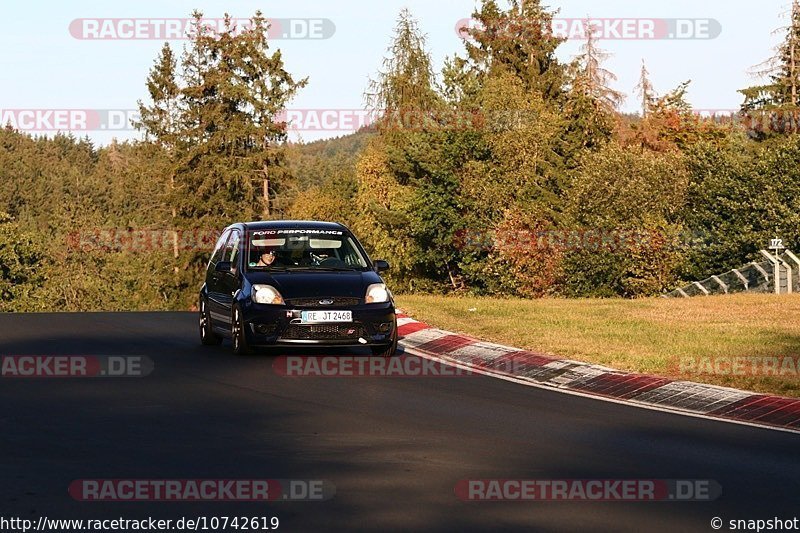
[{"x": 316, "y": 317}]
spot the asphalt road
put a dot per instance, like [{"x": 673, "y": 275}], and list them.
[{"x": 393, "y": 448}]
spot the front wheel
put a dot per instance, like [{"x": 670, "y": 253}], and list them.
[
  {"x": 238, "y": 336},
  {"x": 207, "y": 335}
]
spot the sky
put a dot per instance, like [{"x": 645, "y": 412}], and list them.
[{"x": 47, "y": 69}]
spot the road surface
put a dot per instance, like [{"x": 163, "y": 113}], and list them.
[{"x": 394, "y": 448}]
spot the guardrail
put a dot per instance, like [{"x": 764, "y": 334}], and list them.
[{"x": 776, "y": 273}]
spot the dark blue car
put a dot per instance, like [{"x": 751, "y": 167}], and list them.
[{"x": 290, "y": 283}]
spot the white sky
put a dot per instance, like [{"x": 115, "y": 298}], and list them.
[{"x": 42, "y": 66}]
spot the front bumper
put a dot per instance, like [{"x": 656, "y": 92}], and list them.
[{"x": 279, "y": 325}]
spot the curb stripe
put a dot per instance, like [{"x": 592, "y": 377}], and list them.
[
  {"x": 528, "y": 357},
  {"x": 421, "y": 336},
  {"x": 483, "y": 351},
  {"x": 411, "y": 327},
  {"x": 403, "y": 320},
  {"x": 791, "y": 419},
  {"x": 620, "y": 385},
  {"x": 448, "y": 343},
  {"x": 740, "y": 407},
  {"x": 690, "y": 396},
  {"x": 768, "y": 407},
  {"x": 599, "y": 382}
]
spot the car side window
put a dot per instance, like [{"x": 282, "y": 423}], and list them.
[
  {"x": 232, "y": 248},
  {"x": 351, "y": 258},
  {"x": 219, "y": 248}
]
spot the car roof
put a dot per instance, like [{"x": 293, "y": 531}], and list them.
[{"x": 293, "y": 224}]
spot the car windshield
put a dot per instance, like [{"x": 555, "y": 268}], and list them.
[{"x": 303, "y": 249}]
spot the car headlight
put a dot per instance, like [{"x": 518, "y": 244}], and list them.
[
  {"x": 377, "y": 293},
  {"x": 266, "y": 294}
]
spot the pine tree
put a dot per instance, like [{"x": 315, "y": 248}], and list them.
[
  {"x": 225, "y": 142},
  {"x": 160, "y": 119},
  {"x": 783, "y": 71},
  {"x": 519, "y": 40},
  {"x": 406, "y": 80},
  {"x": 406, "y": 185},
  {"x": 404, "y": 95},
  {"x": 668, "y": 120},
  {"x": 590, "y": 79},
  {"x": 674, "y": 101},
  {"x": 591, "y": 104},
  {"x": 645, "y": 90},
  {"x": 228, "y": 143}
]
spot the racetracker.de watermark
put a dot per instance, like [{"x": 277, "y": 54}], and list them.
[
  {"x": 754, "y": 366},
  {"x": 142, "y": 240},
  {"x": 168, "y": 29},
  {"x": 75, "y": 366},
  {"x": 351, "y": 120},
  {"x": 589, "y": 490},
  {"x": 343, "y": 120},
  {"x": 403, "y": 366},
  {"x": 208, "y": 490},
  {"x": 332, "y": 120},
  {"x": 76, "y": 120},
  {"x": 610, "y": 28}
]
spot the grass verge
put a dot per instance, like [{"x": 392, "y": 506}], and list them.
[{"x": 731, "y": 340}]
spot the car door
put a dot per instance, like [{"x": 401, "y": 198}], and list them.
[
  {"x": 229, "y": 281},
  {"x": 214, "y": 284}
]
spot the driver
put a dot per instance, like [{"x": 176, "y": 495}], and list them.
[{"x": 267, "y": 258}]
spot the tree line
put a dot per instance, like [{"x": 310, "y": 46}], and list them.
[{"x": 510, "y": 172}]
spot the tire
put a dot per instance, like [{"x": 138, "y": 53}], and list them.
[
  {"x": 386, "y": 351},
  {"x": 207, "y": 335},
  {"x": 238, "y": 337}
]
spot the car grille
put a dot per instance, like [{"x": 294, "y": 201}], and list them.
[
  {"x": 323, "y": 332},
  {"x": 314, "y": 302}
]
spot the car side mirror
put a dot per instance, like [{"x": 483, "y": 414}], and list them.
[
  {"x": 223, "y": 266},
  {"x": 381, "y": 265}
]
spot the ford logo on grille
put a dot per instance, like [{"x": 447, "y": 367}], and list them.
[{"x": 326, "y": 302}]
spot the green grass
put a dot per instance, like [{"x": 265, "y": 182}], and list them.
[{"x": 652, "y": 336}]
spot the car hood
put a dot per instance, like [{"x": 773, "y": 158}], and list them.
[{"x": 305, "y": 284}]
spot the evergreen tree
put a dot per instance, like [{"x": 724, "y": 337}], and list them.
[
  {"x": 519, "y": 40},
  {"x": 645, "y": 90},
  {"x": 591, "y": 105},
  {"x": 399, "y": 167},
  {"x": 406, "y": 80},
  {"x": 160, "y": 119},
  {"x": 674, "y": 101},
  {"x": 782, "y": 92},
  {"x": 590, "y": 79},
  {"x": 668, "y": 121},
  {"x": 229, "y": 154},
  {"x": 219, "y": 126}
]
